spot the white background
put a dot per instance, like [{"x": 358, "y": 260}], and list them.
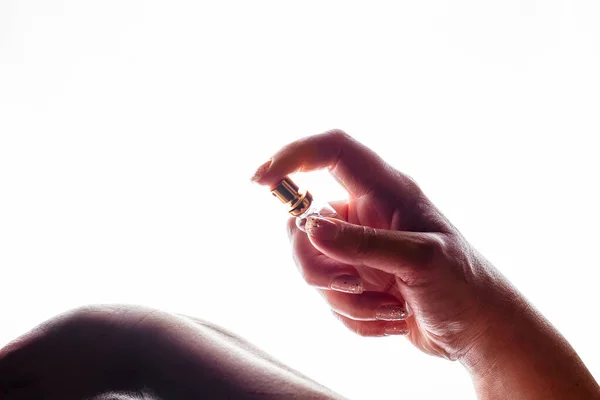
[{"x": 129, "y": 131}]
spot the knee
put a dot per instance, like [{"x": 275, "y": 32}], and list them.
[{"x": 83, "y": 324}]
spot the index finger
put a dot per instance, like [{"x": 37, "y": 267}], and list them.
[{"x": 356, "y": 167}]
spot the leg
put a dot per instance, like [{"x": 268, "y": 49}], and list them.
[{"x": 99, "y": 351}]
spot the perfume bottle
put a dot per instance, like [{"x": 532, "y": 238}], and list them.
[{"x": 301, "y": 205}]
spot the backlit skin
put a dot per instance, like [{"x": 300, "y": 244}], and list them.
[
  {"x": 461, "y": 307},
  {"x": 109, "y": 352}
]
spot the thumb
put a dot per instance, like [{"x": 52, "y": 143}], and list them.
[{"x": 394, "y": 252}]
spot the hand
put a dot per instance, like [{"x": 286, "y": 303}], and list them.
[{"x": 389, "y": 227}]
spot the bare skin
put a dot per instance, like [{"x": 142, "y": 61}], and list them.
[
  {"x": 126, "y": 352},
  {"x": 389, "y": 245},
  {"x": 464, "y": 309}
]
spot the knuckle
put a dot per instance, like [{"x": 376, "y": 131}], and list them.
[
  {"x": 429, "y": 256},
  {"x": 414, "y": 197},
  {"x": 433, "y": 248},
  {"x": 438, "y": 245},
  {"x": 339, "y": 134},
  {"x": 415, "y": 279},
  {"x": 412, "y": 183}
]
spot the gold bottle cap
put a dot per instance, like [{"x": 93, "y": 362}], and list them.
[{"x": 289, "y": 193}]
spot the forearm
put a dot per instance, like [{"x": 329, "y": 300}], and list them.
[{"x": 526, "y": 358}]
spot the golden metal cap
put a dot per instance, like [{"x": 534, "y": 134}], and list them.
[{"x": 289, "y": 193}]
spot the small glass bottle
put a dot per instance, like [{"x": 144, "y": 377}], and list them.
[{"x": 300, "y": 204}]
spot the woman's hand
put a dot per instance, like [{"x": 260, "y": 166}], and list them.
[
  {"x": 462, "y": 308},
  {"x": 389, "y": 226}
]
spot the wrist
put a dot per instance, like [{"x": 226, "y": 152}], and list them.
[
  {"x": 522, "y": 355},
  {"x": 501, "y": 334}
]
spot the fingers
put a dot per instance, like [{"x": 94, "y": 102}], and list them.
[
  {"x": 374, "y": 328},
  {"x": 368, "y": 306},
  {"x": 316, "y": 269},
  {"x": 403, "y": 254},
  {"x": 320, "y": 271},
  {"x": 340, "y": 207},
  {"x": 355, "y": 166}
]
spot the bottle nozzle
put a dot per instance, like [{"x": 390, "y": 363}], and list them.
[{"x": 289, "y": 193}]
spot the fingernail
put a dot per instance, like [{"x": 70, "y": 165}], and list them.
[
  {"x": 321, "y": 228},
  {"x": 391, "y": 312},
  {"x": 347, "y": 284},
  {"x": 261, "y": 171},
  {"x": 390, "y": 330}
]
